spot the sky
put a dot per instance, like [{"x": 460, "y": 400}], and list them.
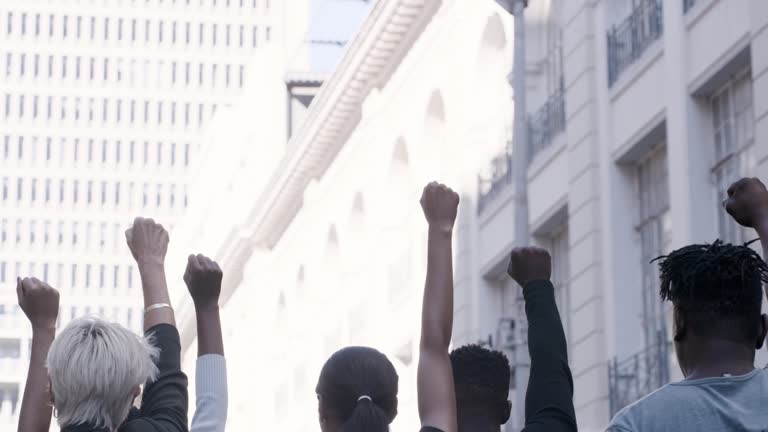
[{"x": 333, "y": 21}]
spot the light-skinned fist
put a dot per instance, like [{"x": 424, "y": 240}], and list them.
[
  {"x": 440, "y": 204},
  {"x": 203, "y": 278},
  {"x": 528, "y": 264},
  {"x": 39, "y": 302},
  {"x": 747, "y": 203},
  {"x": 148, "y": 241}
]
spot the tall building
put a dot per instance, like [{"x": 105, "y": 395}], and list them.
[
  {"x": 104, "y": 109},
  {"x": 640, "y": 114}
]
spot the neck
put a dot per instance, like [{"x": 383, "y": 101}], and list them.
[
  {"x": 718, "y": 357},
  {"x": 477, "y": 424}
]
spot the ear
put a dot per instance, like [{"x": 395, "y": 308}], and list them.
[
  {"x": 507, "y": 412},
  {"x": 763, "y": 331}
]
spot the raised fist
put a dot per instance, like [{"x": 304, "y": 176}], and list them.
[
  {"x": 440, "y": 205},
  {"x": 747, "y": 202},
  {"x": 203, "y": 278},
  {"x": 148, "y": 241},
  {"x": 527, "y": 264},
  {"x": 39, "y": 302}
]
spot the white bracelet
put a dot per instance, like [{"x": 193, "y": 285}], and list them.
[{"x": 156, "y": 306}]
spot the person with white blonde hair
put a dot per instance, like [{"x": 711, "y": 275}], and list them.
[{"x": 95, "y": 369}]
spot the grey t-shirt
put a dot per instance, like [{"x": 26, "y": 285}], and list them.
[{"x": 738, "y": 403}]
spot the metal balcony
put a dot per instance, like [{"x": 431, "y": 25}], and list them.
[
  {"x": 628, "y": 40},
  {"x": 638, "y": 375},
  {"x": 489, "y": 187},
  {"x": 546, "y": 123}
]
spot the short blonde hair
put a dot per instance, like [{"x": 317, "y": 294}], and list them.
[{"x": 94, "y": 368}]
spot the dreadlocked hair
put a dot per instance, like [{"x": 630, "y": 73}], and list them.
[{"x": 714, "y": 282}]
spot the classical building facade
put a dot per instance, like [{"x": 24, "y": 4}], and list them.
[{"x": 639, "y": 115}]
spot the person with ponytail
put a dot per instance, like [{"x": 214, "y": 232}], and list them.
[{"x": 357, "y": 391}]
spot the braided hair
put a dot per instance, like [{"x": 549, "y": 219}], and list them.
[{"x": 711, "y": 283}]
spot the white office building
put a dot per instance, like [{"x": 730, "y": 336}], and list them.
[
  {"x": 103, "y": 109},
  {"x": 640, "y": 113}
]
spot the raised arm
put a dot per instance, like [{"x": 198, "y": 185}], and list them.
[
  {"x": 437, "y": 398},
  {"x": 203, "y": 279},
  {"x": 747, "y": 203},
  {"x": 165, "y": 400},
  {"x": 40, "y": 304},
  {"x": 549, "y": 397},
  {"x": 148, "y": 242}
]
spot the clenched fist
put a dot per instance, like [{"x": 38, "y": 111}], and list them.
[
  {"x": 148, "y": 241},
  {"x": 440, "y": 205},
  {"x": 39, "y": 302},
  {"x": 528, "y": 264},
  {"x": 203, "y": 278},
  {"x": 747, "y": 202}
]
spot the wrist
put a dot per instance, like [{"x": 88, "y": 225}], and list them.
[
  {"x": 206, "y": 307},
  {"x": 44, "y": 328},
  {"x": 440, "y": 230}
]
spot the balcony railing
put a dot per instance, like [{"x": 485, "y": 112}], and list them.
[
  {"x": 500, "y": 177},
  {"x": 688, "y": 4},
  {"x": 629, "y": 40},
  {"x": 546, "y": 123},
  {"x": 640, "y": 374}
]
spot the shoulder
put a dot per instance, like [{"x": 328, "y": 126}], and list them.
[{"x": 630, "y": 417}]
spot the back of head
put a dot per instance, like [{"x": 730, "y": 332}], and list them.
[
  {"x": 95, "y": 368},
  {"x": 716, "y": 289},
  {"x": 357, "y": 390},
  {"x": 481, "y": 378}
]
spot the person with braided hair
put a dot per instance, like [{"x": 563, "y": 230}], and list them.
[{"x": 716, "y": 293}]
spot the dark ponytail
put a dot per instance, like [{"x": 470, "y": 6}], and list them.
[{"x": 358, "y": 388}]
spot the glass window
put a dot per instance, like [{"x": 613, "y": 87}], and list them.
[
  {"x": 268, "y": 34},
  {"x": 200, "y": 74},
  {"x": 18, "y": 231},
  {"x": 133, "y": 30},
  {"x": 5, "y": 188},
  {"x": 159, "y": 195},
  {"x": 103, "y": 192},
  {"x": 172, "y": 202},
  {"x": 37, "y": 25},
  {"x": 88, "y": 234},
  {"x": 102, "y": 235},
  {"x": 61, "y": 191},
  {"x": 173, "y": 32},
  {"x": 3, "y": 231},
  {"x": 106, "y": 28},
  {"x": 9, "y": 28},
  {"x": 200, "y": 33},
  {"x": 146, "y": 31},
  {"x": 19, "y": 189},
  {"x": 733, "y": 121},
  {"x": 146, "y": 112},
  {"x": 130, "y": 195},
  {"x": 188, "y": 30},
  {"x": 79, "y": 27},
  {"x": 75, "y": 187},
  {"x": 64, "y": 26},
  {"x": 118, "y": 150},
  {"x": 37, "y": 65},
  {"x": 146, "y": 152},
  {"x": 87, "y": 275},
  {"x": 2, "y": 271},
  {"x": 242, "y": 76},
  {"x": 93, "y": 27},
  {"x": 115, "y": 276},
  {"x": 60, "y": 233},
  {"x": 74, "y": 283},
  {"x": 159, "y": 154},
  {"x": 46, "y": 232},
  {"x": 227, "y": 34},
  {"x": 32, "y": 229},
  {"x": 33, "y": 190},
  {"x": 227, "y": 73},
  {"x": 117, "y": 193},
  {"x": 50, "y": 25},
  {"x": 131, "y": 152},
  {"x": 120, "y": 29},
  {"x": 160, "y": 32},
  {"x": 89, "y": 192},
  {"x": 102, "y": 270},
  {"x": 104, "y": 151},
  {"x": 129, "y": 278},
  {"x": 145, "y": 195},
  {"x": 47, "y": 190},
  {"x": 242, "y": 35},
  {"x": 74, "y": 233}
]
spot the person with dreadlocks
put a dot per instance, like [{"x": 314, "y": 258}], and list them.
[{"x": 715, "y": 290}]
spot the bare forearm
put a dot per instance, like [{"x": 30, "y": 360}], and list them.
[
  {"x": 209, "y": 338},
  {"x": 155, "y": 290},
  {"x": 437, "y": 309},
  {"x": 35, "y": 412},
  {"x": 762, "y": 231}
]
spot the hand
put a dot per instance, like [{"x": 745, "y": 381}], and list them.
[
  {"x": 39, "y": 302},
  {"x": 203, "y": 278},
  {"x": 148, "y": 241},
  {"x": 747, "y": 202},
  {"x": 527, "y": 264},
  {"x": 440, "y": 205}
]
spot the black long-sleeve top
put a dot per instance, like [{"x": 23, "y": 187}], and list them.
[
  {"x": 549, "y": 398},
  {"x": 164, "y": 402}
]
